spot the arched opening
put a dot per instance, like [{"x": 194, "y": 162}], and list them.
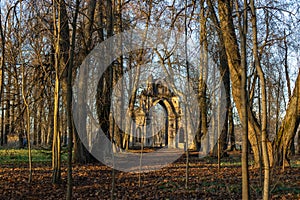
[
  {"x": 171, "y": 122},
  {"x": 159, "y": 117}
]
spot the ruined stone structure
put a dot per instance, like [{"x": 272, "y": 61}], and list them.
[{"x": 172, "y": 135}]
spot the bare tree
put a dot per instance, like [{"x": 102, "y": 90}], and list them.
[
  {"x": 237, "y": 64},
  {"x": 69, "y": 101},
  {"x": 263, "y": 102}
]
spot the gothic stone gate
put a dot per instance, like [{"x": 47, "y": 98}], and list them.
[{"x": 172, "y": 135}]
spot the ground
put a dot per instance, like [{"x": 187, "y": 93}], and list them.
[{"x": 93, "y": 181}]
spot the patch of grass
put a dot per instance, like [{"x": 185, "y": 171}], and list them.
[
  {"x": 231, "y": 163},
  {"x": 284, "y": 189},
  {"x": 295, "y": 163},
  {"x": 9, "y": 156}
]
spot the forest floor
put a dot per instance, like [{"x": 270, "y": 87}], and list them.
[{"x": 93, "y": 181}]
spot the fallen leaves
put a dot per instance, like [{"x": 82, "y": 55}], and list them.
[{"x": 94, "y": 182}]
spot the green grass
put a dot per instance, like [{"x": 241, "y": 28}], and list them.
[
  {"x": 285, "y": 189},
  {"x": 295, "y": 163},
  {"x": 9, "y": 156}
]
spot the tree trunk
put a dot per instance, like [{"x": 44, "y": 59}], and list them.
[
  {"x": 35, "y": 119},
  {"x": 225, "y": 78},
  {"x": 56, "y": 136},
  {"x": 69, "y": 104},
  {"x": 263, "y": 105},
  {"x": 244, "y": 102},
  {"x": 7, "y": 126},
  {"x": 236, "y": 70},
  {"x": 56, "y": 176},
  {"x": 202, "y": 132},
  {"x": 25, "y": 100},
  {"x": 81, "y": 154},
  {"x": 3, "y": 39},
  {"x": 119, "y": 87},
  {"x": 288, "y": 128},
  {"x": 187, "y": 163},
  {"x": 104, "y": 88}
]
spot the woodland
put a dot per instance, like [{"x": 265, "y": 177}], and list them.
[{"x": 75, "y": 78}]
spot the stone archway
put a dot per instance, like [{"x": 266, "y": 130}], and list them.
[{"x": 157, "y": 93}]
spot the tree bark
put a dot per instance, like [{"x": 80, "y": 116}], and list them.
[
  {"x": 81, "y": 154},
  {"x": 56, "y": 176},
  {"x": 69, "y": 103},
  {"x": 225, "y": 78},
  {"x": 244, "y": 102},
  {"x": 202, "y": 78},
  {"x": 104, "y": 88},
  {"x": 288, "y": 128},
  {"x": 236, "y": 70},
  {"x": 263, "y": 104}
]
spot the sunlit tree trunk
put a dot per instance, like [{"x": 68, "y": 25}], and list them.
[
  {"x": 244, "y": 101},
  {"x": 288, "y": 128},
  {"x": 56, "y": 159},
  {"x": 238, "y": 71},
  {"x": 263, "y": 104}
]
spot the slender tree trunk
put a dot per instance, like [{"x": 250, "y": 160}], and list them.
[
  {"x": 69, "y": 103},
  {"x": 56, "y": 176},
  {"x": 202, "y": 77},
  {"x": 277, "y": 106},
  {"x": 56, "y": 136},
  {"x": 27, "y": 130},
  {"x": 119, "y": 89},
  {"x": 244, "y": 100},
  {"x": 8, "y": 108},
  {"x": 25, "y": 100},
  {"x": 34, "y": 115},
  {"x": 187, "y": 169},
  {"x": 264, "y": 105},
  {"x": 3, "y": 39},
  {"x": 27, "y": 126},
  {"x": 39, "y": 123},
  {"x": 286, "y": 67}
]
